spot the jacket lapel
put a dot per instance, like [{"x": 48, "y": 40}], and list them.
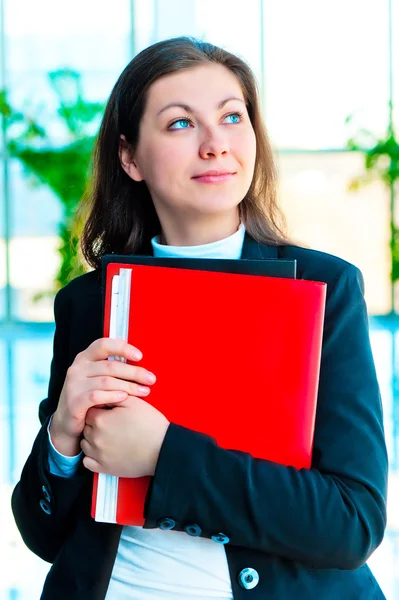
[{"x": 255, "y": 250}]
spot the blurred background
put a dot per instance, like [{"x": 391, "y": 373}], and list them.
[{"x": 328, "y": 74}]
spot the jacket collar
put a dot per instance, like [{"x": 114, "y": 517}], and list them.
[{"x": 255, "y": 250}]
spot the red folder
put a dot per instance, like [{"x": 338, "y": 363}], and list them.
[{"x": 236, "y": 357}]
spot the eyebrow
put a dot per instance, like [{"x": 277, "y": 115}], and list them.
[{"x": 188, "y": 108}]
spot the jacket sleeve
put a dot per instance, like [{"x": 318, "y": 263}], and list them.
[
  {"x": 43, "y": 503},
  {"x": 330, "y": 516}
]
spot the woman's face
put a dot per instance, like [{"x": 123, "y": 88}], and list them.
[{"x": 195, "y": 121}]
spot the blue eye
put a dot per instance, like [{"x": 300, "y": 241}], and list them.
[
  {"x": 235, "y": 116},
  {"x": 185, "y": 121}
]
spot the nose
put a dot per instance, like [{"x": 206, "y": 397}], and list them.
[{"x": 214, "y": 144}]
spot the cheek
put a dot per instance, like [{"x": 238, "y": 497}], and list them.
[
  {"x": 162, "y": 161},
  {"x": 245, "y": 149},
  {"x": 251, "y": 146}
]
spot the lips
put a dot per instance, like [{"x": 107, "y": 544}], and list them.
[
  {"x": 214, "y": 177},
  {"x": 213, "y": 174}
]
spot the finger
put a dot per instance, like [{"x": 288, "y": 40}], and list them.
[
  {"x": 87, "y": 448},
  {"x": 120, "y": 370},
  {"x": 103, "y": 348},
  {"x": 101, "y": 397},
  {"x": 92, "y": 416},
  {"x": 88, "y": 431},
  {"x": 92, "y": 465},
  {"x": 108, "y": 383},
  {"x": 117, "y": 389}
]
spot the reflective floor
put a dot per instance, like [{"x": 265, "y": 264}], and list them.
[{"x": 24, "y": 369}]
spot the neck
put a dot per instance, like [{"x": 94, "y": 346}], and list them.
[{"x": 197, "y": 234}]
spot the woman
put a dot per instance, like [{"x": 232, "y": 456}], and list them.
[{"x": 183, "y": 167}]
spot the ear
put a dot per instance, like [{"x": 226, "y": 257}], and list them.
[{"x": 127, "y": 162}]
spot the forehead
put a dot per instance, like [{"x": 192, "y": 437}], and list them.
[{"x": 208, "y": 83}]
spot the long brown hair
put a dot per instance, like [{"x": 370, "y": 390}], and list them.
[{"x": 120, "y": 215}]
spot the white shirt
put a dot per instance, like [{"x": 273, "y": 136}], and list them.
[{"x": 154, "y": 564}]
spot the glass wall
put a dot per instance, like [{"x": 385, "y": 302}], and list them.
[
  {"x": 316, "y": 64},
  {"x": 41, "y": 37}
]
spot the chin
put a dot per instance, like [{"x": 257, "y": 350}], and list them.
[
  {"x": 216, "y": 205},
  {"x": 216, "y": 212}
]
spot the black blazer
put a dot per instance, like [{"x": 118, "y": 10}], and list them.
[{"x": 306, "y": 533}]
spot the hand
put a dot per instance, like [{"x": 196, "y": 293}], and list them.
[
  {"x": 92, "y": 380},
  {"x": 124, "y": 441}
]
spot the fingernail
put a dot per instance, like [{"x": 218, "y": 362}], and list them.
[
  {"x": 150, "y": 377},
  {"x": 143, "y": 389},
  {"x": 136, "y": 354}
]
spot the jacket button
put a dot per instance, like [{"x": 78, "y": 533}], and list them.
[
  {"x": 193, "y": 529},
  {"x": 220, "y": 538},
  {"x": 166, "y": 524},
  {"x": 248, "y": 578},
  {"x": 45, "y": 507},
  {"x": 46, "y": 494}
]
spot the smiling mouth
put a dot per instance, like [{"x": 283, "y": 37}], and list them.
[{"x": 223, "y": 177}]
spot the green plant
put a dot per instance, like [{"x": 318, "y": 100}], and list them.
[
  {"x": 63, "y": 167},
  {"x": 381, "y": 161}
]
